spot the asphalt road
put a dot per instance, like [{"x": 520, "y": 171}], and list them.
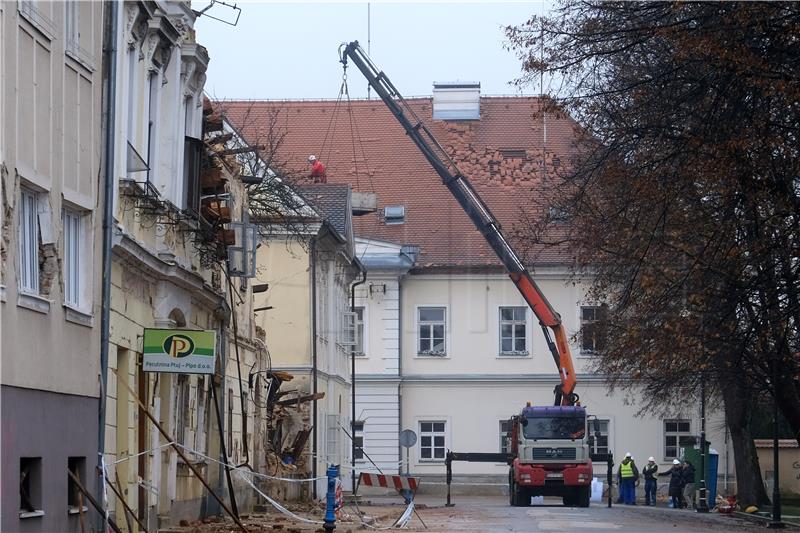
[{"x": 493, "y": 514}]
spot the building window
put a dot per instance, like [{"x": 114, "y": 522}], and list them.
[
  {"x": 600, "y": 441},
  {"x": 230, "y": 422},
  {"x": 28, "y": 242},
  {"x": 432, "y": 441},
  {"x": 358, "y": 440},
  {"x": 505, "y": 436},
  {"x": 513, "y": 331},
  {"x": 30, "y": 487},
  {"x": 593, "y": 328},
  {"x": 154, "y": 82},
  {"x": 75, "y": 500},
  {"x": 677, "y": 433},
  {"x": 192, "y": 156},
  {"x": 182, "y": 414},
  {"x": 201, "y": 431},
  {"x": 359, "y": 331},
  {"x": 431, "y": 322},
  {"x": 333, "y": 435},
  {"x": 73, "y": 237},
  {"x": 394, "y": 214}
]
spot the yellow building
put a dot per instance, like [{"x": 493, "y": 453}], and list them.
[{"x": 307, "y": 322}]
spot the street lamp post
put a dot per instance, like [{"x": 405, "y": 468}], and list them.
[
  {"x": 775, "y": 523},
  {"x": 702, "y": 506}
]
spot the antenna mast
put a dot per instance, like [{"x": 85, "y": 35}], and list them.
[{"x": 369, "y": 41}]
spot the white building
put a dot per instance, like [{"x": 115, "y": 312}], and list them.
[{"x": 449, "y": 331}]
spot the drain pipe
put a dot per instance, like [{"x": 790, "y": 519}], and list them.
[
  {"x": 313, "y": 254},
  {"x": 400, "y": 377},
  {"x": 353, "y": 377},
  {"x": 110, "y": 60}
]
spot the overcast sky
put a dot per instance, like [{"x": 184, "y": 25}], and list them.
[{"x": 289, "y": 50}]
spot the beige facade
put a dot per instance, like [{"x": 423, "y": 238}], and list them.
[
  {"x": 177, "y": 198},
  {"x": 309, "y": 279},
  {"x": 50, "y": 219},
  {"x": 789, "y": 462}
]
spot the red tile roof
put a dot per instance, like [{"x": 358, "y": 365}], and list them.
[{"x": 500, "y": 154}]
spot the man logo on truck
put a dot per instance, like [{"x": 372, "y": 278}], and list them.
[{"x": 178, "y": 345}]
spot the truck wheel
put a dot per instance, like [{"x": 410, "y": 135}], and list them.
[
  {"x": 584, "y": 494},
  {"x": 569, "y": 500},
  {"x": 511, "y": 500}
]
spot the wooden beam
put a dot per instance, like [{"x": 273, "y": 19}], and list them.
[
  {"x": 301, "y": 399},
  {"x": 177, "y": 448},
  {"x": 94, "y": 503},
  {"x": 243, "y": 150},
  {"x": 127, "y": 507}
]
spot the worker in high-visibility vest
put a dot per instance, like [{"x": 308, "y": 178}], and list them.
[{"x": 629, "y": 474}]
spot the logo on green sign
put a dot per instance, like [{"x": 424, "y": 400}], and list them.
[{"x": 178, "y": 345}]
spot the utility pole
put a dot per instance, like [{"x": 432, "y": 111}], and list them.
[
  {"x": 775, "y": 523},
  {"x": 702, "y": 505}
]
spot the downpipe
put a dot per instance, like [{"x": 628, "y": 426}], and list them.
[{"x": 110, "y": 60}]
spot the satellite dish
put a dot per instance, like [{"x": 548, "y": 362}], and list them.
[{"x": 408, "y": 438}]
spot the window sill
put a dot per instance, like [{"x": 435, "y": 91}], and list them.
[
  {"x": 76, "y": 316},
  {"x": 74, "y": 509},
  {"x": 31, "y": 514},
  {"x": 80, "y": 56},
  {"x": 513, "y": 356},
  {"x": 34, "y": 302},
  {"x": 422, "y": 356}
]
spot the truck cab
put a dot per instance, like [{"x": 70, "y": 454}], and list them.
[{"x": 550, "y": 455}]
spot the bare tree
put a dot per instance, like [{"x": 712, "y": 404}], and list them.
[{"x": 684, "y": 200}]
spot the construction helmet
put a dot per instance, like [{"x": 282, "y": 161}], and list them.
[{"x": 312, "y": 158}]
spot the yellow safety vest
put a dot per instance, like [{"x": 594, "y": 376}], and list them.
[{"x": 626, "y": 469}]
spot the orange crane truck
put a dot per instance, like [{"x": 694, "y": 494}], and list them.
[{"x": 550, "y": 451}]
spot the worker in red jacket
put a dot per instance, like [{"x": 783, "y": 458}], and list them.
[{"x": 317, "y": 169}]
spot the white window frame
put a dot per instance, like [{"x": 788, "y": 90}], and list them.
[
  {"x": 333, "y": 435},
  {"x": 433, "y": 433},
  {"x": 74, "y": 235},
  {"x": 360, "y": 330},
  {"x": 514, "y": 322},
  {"x": 153, "y": 122},
  {"x": 418, "y": 323},
  {"x": 504, "y": 427},
  {"x": 584, "y": 322},
  {"x": 603, "y": 433},
  {"x": 28, "y": 242},
  {"x": 678, "y": 434}
]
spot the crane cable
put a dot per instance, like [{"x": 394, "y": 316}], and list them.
[{"x": 331, "y": 130}]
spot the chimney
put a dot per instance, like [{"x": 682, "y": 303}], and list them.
[{"x": 459, "y": 100}]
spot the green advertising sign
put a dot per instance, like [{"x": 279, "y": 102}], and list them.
[{"x": 183, "y": 351}]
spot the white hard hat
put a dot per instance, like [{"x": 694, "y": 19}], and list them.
[
  {"x": 651, "y": 459},
  {"x": 628, "y": 454},
  {"x": 312, "y": 158},
  {"x": 676, "y": 462}
]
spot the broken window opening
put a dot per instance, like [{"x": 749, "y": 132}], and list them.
[
  {"x": 76, "y": 465},
  {"x": 30, "y": 486}
]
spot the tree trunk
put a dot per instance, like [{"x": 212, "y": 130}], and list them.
[{"x": 750, "y": 488}]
